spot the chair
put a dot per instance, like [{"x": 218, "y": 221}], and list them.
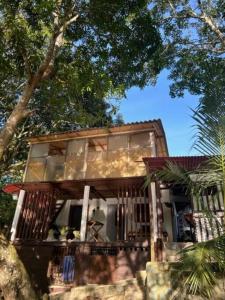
[{"x": 95, "y": 224}]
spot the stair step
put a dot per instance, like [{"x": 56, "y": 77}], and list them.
[{"x": 125, "y": 289}]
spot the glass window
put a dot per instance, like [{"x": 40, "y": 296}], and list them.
[
  {"x": 76, "y": 147},
  {"x": 55, "y": 168},
  {"x": 118, "y": 142},
  {"x": 140, "y": 140},
  {"x": 57, "y": 148},
  {"x": 36, "y": 169},
  {"x": 97, "y": 144},
  {"x": 39, "y": 150}
]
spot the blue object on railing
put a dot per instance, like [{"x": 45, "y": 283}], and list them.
[{"x": 68, "y": 268}]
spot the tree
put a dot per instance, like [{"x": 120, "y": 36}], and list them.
[
  {"x": 60, "y": 50},
  {"x": 58, "y": 56},
  {"x": 118, "y": 119},
  {"x": 51, "y": 116},
  {"x": 193, "y": 34}
]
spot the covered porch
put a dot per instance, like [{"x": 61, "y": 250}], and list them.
[
  {"x": 119, "y": 249},
  {"x": 121, "y": 204}
]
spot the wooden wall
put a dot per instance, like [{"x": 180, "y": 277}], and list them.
[
  {"x": 89, "y": 268},
  {"x": 208, "y": 213}
]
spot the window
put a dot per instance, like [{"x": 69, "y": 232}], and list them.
[
  {"x": 140, "y": 140},
  {"x": 57, "y": 148},
  {"x": 97, "y": 144},
  {"x": 56, "y": 161},
  {"x": 118, "y": 142},
  {"x": 36, "y": 169},
  {"x": 96, "y": 149},
  {"x": 39, "y": 150}
]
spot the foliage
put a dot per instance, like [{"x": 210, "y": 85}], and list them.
[
  {"x": 118, "y": 119},
  {"x": 194, "y": 47},
  {"x": 102, "y": 54},
  {"x": 200, "y": 267},
  {"x": 7, "y": 210},
  {"x": 201, "y": 264},
  {"x": 210, "y": 141},
  {"x": 62, "y": 60}
]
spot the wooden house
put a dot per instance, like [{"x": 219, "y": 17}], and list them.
[
  {"x": 70, "y": 177},
  {"x": 84, "y": 197}
]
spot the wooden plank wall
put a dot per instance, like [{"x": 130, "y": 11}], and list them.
[
  {"x": 209, "y": 215},
  {"x": 36, "y": 215},
  {"x": 132, "y": 218}
]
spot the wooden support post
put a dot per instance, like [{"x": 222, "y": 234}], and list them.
[
  {"x": 17, "y": 214},
  {"x": 153, "y": 206},
  {"x": 84, "y": 212},
  {"x": 154, "y": 233}
]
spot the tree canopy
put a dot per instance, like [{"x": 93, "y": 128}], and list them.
[
  {"x": 67, "y": 53},
  {"x": 193, "y": 34}
]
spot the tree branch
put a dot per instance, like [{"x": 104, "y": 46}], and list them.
[
  {"x": 203, "y": 17},
  {"x": 209, "y": 21},
  {"x": 20, "y": 111},
  {"x": 27, "y": 65}
]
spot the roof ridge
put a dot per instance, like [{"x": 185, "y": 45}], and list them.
[{"x": 98, "y": 128}]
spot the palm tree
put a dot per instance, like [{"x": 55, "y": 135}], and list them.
[{"x": 200, "y": 264}]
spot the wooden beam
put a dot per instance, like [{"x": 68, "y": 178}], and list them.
[
  {"x": 97, "y": 193},
  {"x": 153, "y": 206},
  {"x": 84, "y": 212}
]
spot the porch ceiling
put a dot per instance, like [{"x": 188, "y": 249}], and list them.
[{"x": 74, "y": 189}]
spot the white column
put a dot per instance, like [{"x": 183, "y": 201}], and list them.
[
  {"x": 84, "y": 213},
  {"x": 154, "y": 230},
  {"x": 17, "y": 214},
  {"x": 154, "y": 211}
]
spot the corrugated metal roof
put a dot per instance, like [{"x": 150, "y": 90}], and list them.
[
  {"x": 96, "y": 128},
  {"x": 83, "y": 132},
  {"x": 189, "y": 163}
]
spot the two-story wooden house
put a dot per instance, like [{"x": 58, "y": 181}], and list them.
[
  {"x": 83, "y": 196},
  {"x": 86, "y": 215}
]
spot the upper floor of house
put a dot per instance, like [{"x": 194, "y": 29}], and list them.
[{"x": 95, "y": 152}]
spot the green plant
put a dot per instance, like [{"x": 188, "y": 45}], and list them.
[{"x": 201, "y": 264}]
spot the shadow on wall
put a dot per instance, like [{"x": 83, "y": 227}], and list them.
[{"x": 89, "y": 269}]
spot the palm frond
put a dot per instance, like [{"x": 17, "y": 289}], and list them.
[{"x": 199, "y": 265}]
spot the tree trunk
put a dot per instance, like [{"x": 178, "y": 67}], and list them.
[
  {"x": 14, "y": 280},
  {"x": 18, "y": 114}
]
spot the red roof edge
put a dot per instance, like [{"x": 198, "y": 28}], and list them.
[
  {"x": 12, "y": 188},
  {"x": 190, "y": 163}
]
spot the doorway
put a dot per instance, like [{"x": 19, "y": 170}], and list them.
[{"x": 75, "y": 217}]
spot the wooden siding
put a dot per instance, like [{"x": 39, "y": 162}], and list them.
[
  {"x": 36, "y": 215},
  {"x": 208, "y": 213}
]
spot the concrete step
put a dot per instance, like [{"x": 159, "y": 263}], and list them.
[{"x": 122, "y": 290}]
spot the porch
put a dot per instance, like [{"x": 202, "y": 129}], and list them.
[
  {"x": 122, "y": 204},
  {"x": 119, "y": 250}
]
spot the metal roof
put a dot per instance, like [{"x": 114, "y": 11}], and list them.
[
  {"x": 97, "y": 130},
  {"x": 190, "y": 163}
]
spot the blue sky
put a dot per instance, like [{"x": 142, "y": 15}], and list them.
[{"x": 154, "y": 102}]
